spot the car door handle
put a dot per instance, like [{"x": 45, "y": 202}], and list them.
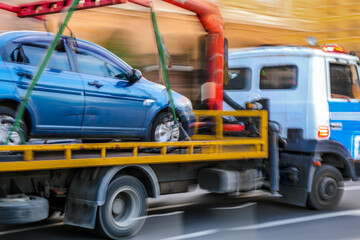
[
  {"x": 23, "y": 73},
  {"x": 96, "y": 84}
]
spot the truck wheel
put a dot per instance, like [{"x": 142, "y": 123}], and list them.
[
  {"x": 7, "y": 118},
  {"x": 163, "y": 129},
  {"x": 123, "y": 213},
  {"x": 16, "y": 209},
  {"x": 327, "y": 188}
]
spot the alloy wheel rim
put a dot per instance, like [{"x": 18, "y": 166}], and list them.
[
  {"x": 167, "y": 132},
  {"x": 5, "y": 128}
]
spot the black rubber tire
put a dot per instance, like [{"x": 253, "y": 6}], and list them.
[
  {"x": 327, "y": 188},
  {"x": 131, "y": 207},
  {"x": 160, "y": 118},
  {"x": 16, "y": 212},
  {"x": 11, "y": 113}
]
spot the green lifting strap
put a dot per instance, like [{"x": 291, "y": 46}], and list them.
[
  {"x": 40, "y": 70},
  {"x": 160, "y": 45}
]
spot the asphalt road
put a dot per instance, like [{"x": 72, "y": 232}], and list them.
[{"x": 198, "y": 216}]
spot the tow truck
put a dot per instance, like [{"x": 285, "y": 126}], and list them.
[{"x": 104, "y": 186}]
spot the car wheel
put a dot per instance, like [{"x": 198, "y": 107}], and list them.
[
  {"x": 122, "y": 214},
  {"x": 327, "y": 188},
  {"x": 7, "y": 118},
  {"x": 164, "y": 129},
  {"x": 15, "y": 209}
]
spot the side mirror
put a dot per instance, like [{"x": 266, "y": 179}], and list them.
[{"x": 135, "y": 76}]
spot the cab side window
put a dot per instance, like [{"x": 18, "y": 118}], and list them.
[
  {"x": 93, "y": 63},
  {"x": 344, "y": 81},
  {"x": 279, "y": 77},
  {"x": 239, "y": 79}
]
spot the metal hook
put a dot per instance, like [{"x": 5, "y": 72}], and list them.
[{"x": 45, "y": 25}]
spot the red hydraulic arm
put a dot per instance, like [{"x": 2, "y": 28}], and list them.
[
  {"x": 208, "y": 14},
  {"x": 210, "y": 17}
]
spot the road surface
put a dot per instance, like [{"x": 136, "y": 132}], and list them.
[{"x": 199, "y": 215}]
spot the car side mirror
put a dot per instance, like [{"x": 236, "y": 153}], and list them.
[{"x": 135, "y": 76}]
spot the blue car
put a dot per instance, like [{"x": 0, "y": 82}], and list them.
[{"x": 85, "y": 92}]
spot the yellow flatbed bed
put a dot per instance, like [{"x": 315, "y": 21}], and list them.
[{"x": 219, "y": 148}]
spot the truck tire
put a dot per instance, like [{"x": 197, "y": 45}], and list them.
[
  {"x": 327, "y": 188},
  {"x": 123, "y": 213},
  {"x": 23, "y": 209}
]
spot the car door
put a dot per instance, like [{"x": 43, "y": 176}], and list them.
[
  {"x": 344, "y": 106},
  {"x": 113, "y": 105},
  {"x": 57, "y": 101}
]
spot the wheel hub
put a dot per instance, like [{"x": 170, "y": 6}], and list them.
[
  {"x": 328, "y": 188},
  {"x": 167, "y": 131},
  {"x": 5, "y": 128},
  {"x": 124, "y": 208},
  {"x": 118, "y": 207}
]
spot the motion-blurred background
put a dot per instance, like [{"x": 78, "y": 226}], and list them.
[{"x": 127, "y": 31}]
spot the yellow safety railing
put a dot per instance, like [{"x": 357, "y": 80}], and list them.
[
  {"x": 40, "y": 157},
  {"x": 218, "y": 115}
]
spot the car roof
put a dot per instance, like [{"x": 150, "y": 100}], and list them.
[
  {"x": 285, "y": 51},
  {"x": 9, "y": 35}
]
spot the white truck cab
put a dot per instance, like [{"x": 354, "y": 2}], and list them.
[{"x": 314, "y": 94}]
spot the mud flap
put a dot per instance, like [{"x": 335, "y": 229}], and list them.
[
  {"x": 296, "y": 174},
  {"x": 85, "y": 196}
]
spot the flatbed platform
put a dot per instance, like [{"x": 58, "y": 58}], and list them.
[{"x": 219, "y": 148}]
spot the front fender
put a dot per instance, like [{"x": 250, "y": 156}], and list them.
[{"x": 325, "y": 146}]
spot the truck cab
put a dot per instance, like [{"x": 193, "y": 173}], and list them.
[
  {"x": 314, "y": 93},
  {"x": 314, "y": 98}
]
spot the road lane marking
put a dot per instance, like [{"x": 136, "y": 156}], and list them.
[
  {"x": 268, "y": 224},
  {"x": 236, "y": 207},
  {"x": 172, "y": 206},
  {"x": 193, "y": 235},
  {"x": 31, "y": 228},
  {"x": 352, "y": 188},
  {"x": 61, "y": 223},
  {"x": 297, "y": 220},
  {"x": 159, "y": 215}
]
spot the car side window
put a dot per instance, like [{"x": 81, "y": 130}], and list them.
[
  {"x": 93, "y": 63},
  {"x": 33, "y": 53},
  {"x": 279, "y": 77}
]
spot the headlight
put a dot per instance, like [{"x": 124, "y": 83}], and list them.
[{"x": 185, "y": 103}]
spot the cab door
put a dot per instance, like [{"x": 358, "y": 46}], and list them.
[{"x": 344, "y": 106}]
